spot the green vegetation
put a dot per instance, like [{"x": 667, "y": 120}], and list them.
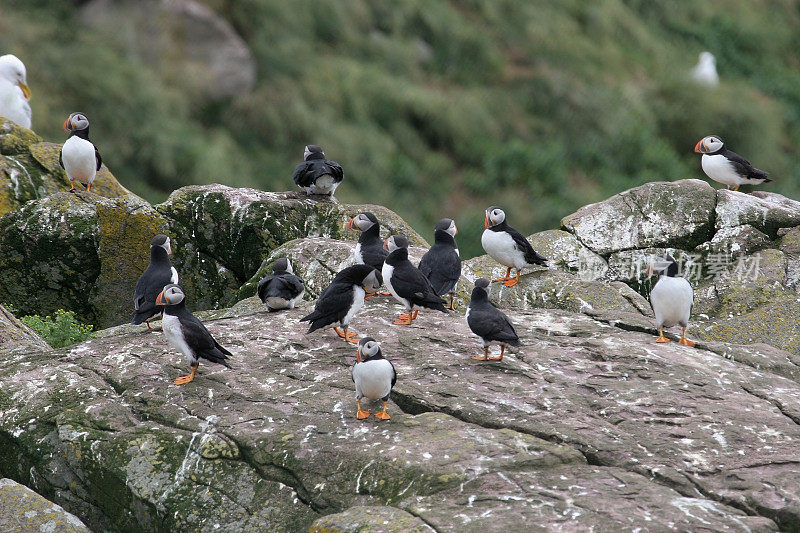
[
  {"x": 439, "y": 108},
  {"x": 59, "y": 330}
]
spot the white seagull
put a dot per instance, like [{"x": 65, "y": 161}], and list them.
[
  {"x": 14, "y": 92},
  {"x": 705, "y": 72}
]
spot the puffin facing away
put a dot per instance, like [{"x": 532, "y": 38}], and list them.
[
  {"x": 281, "y": 290},
  {"x": 442, "y": 263},
  {"x": 187, "y": 334},
  {"x": 406, "y": 283},
  {"x": 507, "y": 246},
  {"x": 339, "y": 303},
  {"x": 316, "y": 174},
  {"x": 369, "y": 249},
  {"x": 79, "y": 157},
  {"x": 14, "y": 92},
  {"x": 726, "y": 167},
  {"x": 488, "y": 322},
  {"x": 671, "y": 298},
  {"x": 158, "y": 274},
  {"x": 373, "y": 375}
]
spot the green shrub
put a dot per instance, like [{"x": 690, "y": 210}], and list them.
[{"x": 60, "y": 330}]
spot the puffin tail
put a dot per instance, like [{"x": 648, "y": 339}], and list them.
[{"x": 536, "y": 259}]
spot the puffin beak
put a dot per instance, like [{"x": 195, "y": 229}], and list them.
[
  {"x": 386, "y": 244},
  {"x": 160, "y": 298},
  {"x": 649, "y": 271},
  {"x": 486, "y": 221},
  {"x": 25, "y": 90},
  {"x": 66, "y": 125},
  {"x": 700, "y": 148},
  {"x": 358, "y": 355},
  {"x": 350, "y": 224}
]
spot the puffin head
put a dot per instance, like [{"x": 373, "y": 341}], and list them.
[
  {"x": 76, "y": 122},
  {"x": 163, "y": 242},
  {"x": 362, "y": 222},
  {"x": 494, "y": 216},
  {"x": 448, "y": 225},
  {"x": 313, "y": 149},
  {"x": 394, "y": 242},
  {"x": 368, "y": 348},
  {"x": 663, "y": 266},
  {"x": 13, "y": 70},
  {"x": 282, "y": 265},
  {"x": 171, "y": 295},
  {"x": 372, "y": 282},
  {"x": 709, "y": 145}
]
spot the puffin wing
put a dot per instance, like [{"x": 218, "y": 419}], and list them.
[
  {"x": 374, "y": 255},
  {"x": 412, "y": 284},
  {"x": 293, "y": 283},
  {"x": 335, "y": 170},
  {"x": 263, "y": 285},
  {"x": 147, "y": 288},
  {"x": 394, "y": 373},
  {"x": 331, "y": 306},
  {"x": 303, "y": 175},
  {"x": 744, "y": 168},
  {"x": 491, "y": 324},
  {"x": 60, "y": 158},
  {"x": 442, "y": 268},
  {"x": 98, "y": 159},
  {"x": 201, "y": 340},
  {"x": 531, "y": 257}
]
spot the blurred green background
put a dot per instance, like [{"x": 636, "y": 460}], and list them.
[{"x": 435, "y": 108}]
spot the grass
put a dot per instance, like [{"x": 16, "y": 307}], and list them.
[{"x": 59, "y": 330}]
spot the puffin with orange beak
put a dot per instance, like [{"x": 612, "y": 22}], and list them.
[
  {"x": 726, "y": 167},
  {"x": 187, "y": 334},
  {"x": 369, "y": 249},
  {"x": 374, "y": 376},
  {"x": 79, "y": 157},
  {"x": 672, "y": 298},
  {"x": 14, "y": 91},
  {"x": 507, "y": 246},
  {"x": 442, "y": 263}
]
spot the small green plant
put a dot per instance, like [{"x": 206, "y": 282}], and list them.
[{"x": 59, "y": 330}]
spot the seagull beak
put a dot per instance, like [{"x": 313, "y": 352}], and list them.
[
  {"x": 67, "y": 125},
  {"x": 700, "y": 148},
  {"x": 25, "y": 90},
  {"x": 160, "y": 298},
  {"x": 486, "y": 221},
  {"x": 351, "y": 225}
]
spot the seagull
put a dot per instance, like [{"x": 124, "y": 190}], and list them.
[
  {"x": 705, "y": 72},
  {"x": 14, "y": 92}
]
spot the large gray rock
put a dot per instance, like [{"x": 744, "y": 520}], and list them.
[
  {"x": 24, "y": 511},
  {"x": 659, "y": 214},
  {"x": 586, "y": 426},
  {"x": 16, "y": 337},
  {"x": 765, "y": 211}
]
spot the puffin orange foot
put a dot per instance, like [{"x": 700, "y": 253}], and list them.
[
  {"x": 383, "y": 415},
  {"x": 511, "y": 282},
  {"x": 352, "y": 337},
  {"x": 183, "y": 380},
  {"x": 361, "y": 414},
  {"x": 480, "y": 358},
  {"x": 662, "y": 338},
  {"x": 495, "y": 358},
  {"x": 686, "y": 342},
  {"x": 403, "y": 320}
]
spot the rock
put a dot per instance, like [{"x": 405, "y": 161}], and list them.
[
  {"x": 185, "y": 41},
  {"x": 730, "y": 243},
  {"x": 16, "y": 337},
  {"x": 223, "y": 234},
  {"x": 659, "y": 214},
  {"x": 80, "y": 252},
  {"x": 370, "y": 518},
  {"x": 585, "y": 426},
  {"x": 25, "y": 511},
  {"x": 566, "y": 252},
  {"x": 765, "y": 211}
]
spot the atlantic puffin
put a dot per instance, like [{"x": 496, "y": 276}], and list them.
[
  {"x": 156, "y": 276},
  {"x": 726, "y": 167},
  {"x": 283, "y": 289},
  {"x": 14, "y": 91},
  {"x": 316, "y": 174},
  {"x": 369, "y": 249},
  {"x": 339, "y": 303},
  {"x": 373, "y": 375},
  {"x": 507, "y": 246},
  {"x": 187, "y": 334},
  {"x": 442, "y": 263},
  {"x": 79, "y": 157},
  {"x": 406, "y": 283},
  {"x": 488, "y": 322},
  {"x": 672, "y": 298}
]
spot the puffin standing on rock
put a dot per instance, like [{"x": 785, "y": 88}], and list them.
[
  {"x": 14, "y": 92},
  {"x": 187, "y": 334},
  {"x": 671, "y": 298},
  {"x": 726, "y": 167},
  {"x": 507, "y": 246},
  {"x": 316, "y": 174},
  {"x": 373, "y": 375},
  {"x": 281, "y": 290},
  {"x": 339, "y": 303},
  {"x": 442, "y": 263},
  {"x": 79, "y": 157},
  {"x": 158, "y": 274},
  {"x": 488, "y": 322},
  {"x": 406, "y": 283},
  {"x": 369, "y": 249}
]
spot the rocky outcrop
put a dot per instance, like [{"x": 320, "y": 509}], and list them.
[
  {"x": 16, "y": 337},
  {"x": 24, "y": 511},
  {"x": 589, "y": 425}
]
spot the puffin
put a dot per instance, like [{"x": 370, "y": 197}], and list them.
[
  {"x": 187, "y": 334},
  {"x": 488, "y": 322},
  {"x": 507, "y": 246},
  {"x": 14, "y": 91},
  {"x": 369, "y": 249},
  {"x": 406, "y": 283},
  {"x": 442, "y": 263},
  {"x": 672, "y": 298},
  {"x": 158, "y": 274},
  {"x": 79, "y": 157},
  {"x": 726, "y": 167},
  {"x": 281, "y": 290},
  {"x": 373, "y": 375},
  {"x": 317, "y": 175},
  {"x": 342, "y": 299}
]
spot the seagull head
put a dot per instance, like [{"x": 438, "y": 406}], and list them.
[{"x": 13, "y": 70}]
